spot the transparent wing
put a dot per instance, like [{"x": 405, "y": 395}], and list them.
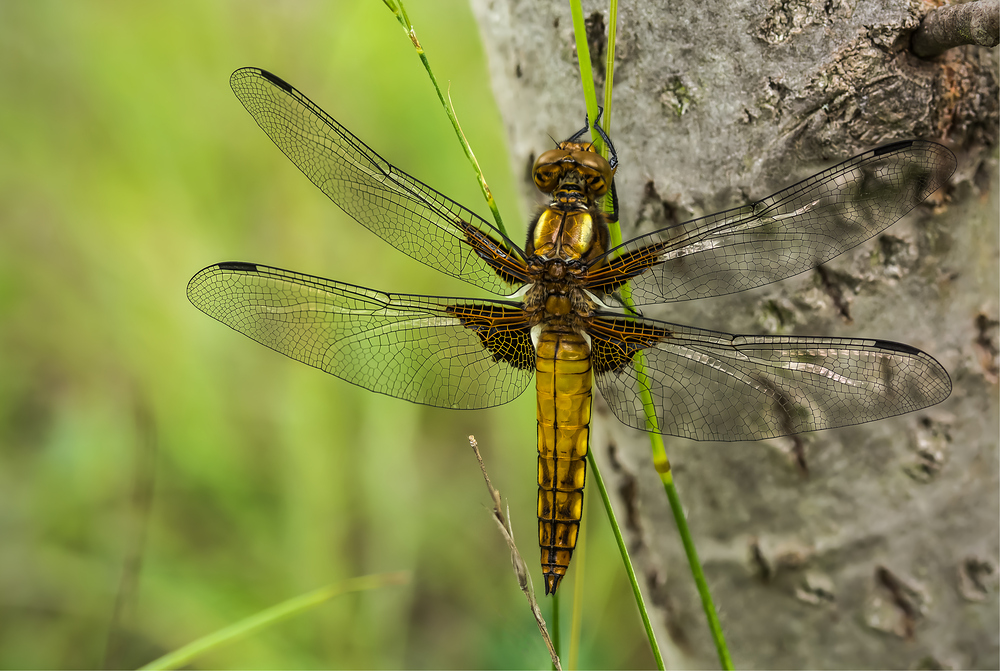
[
  {"x": 706, "y": 385},
  {"x": 406, "y": 213},
  {"x": 782, "y": 235},
  {"x": 449, "y": 353}
]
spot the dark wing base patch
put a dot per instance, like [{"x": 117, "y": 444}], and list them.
[
  {"x": 505, "y": 332},
  {"x": 614, "y": 342}
]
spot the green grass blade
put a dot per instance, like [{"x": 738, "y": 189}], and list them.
[
  {"x": 625, "y": 559},
  {"x": 660, "y": 460},
  {"x": 556, "y": 626},
  {"x": 273, "y": 615},
  {"x": 609, "y": 65},
  {"x": 586, "y": 70},
  {"x": 662, "y": 465},
  {"x": 587, "y": 79},
  {"x": 699, "y": 577},
  {"x": 579, "y": 573},
  {"x": 399, "y": 11},
  {"x": 609, "y": 78}
]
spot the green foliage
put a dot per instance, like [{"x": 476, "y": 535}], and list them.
[{"x": 127, "y": 165}]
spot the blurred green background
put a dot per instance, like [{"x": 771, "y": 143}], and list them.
[{"x": 162, "y": 476}]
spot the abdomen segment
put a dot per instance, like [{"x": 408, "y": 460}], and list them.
[{"x": 563, "y": 381}]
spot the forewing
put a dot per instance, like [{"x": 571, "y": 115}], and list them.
[
  {"x": 706, "y": 385},
  {"x": 398, "y": 208},
  {"x": 780, "y": 236},
  {"x": 445, "y": 352}
]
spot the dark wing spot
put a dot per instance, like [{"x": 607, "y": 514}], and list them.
[
  {"x": 276, "y": 80},
  {"x": 238, "y": 266}
]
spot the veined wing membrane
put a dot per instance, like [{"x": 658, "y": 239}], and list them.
[
  {"x": 706, "y": 385},
  {"x": 445, "y": 352},
  {"x": 782, "y": 235},
  {"x": 398, "y": 208}
]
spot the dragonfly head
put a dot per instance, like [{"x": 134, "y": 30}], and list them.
[{"x": 573, "y": 164}]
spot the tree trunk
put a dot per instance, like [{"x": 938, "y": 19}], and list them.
[{"x": 868, "y": 546}]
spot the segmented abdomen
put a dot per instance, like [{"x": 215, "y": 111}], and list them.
[{"x": 563, "y": 381}]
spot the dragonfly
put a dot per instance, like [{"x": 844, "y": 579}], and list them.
[{"x": 559, "y": 316}]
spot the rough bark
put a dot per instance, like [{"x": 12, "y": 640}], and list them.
[{"x": 885, "y": 553}]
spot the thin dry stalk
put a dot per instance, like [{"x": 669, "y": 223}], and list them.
[{"x": 520, "y": 568}]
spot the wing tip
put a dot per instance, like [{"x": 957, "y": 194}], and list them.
[
  {"x": 943, "y": 167},
  {"x": 202, "y": 276},
  {"x": 943, "y": 387},
  {"x": 259, "y": 72}
]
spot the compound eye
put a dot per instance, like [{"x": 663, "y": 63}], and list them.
[
  {"x": 595, "y": 162},
  {"x": 598, "y": 187},
  {"x": 597, "y": 169},
  {"x": 599, "y": 172},
  {"x": 546, "y": 177},
  {"x": 547, "y": 170}
]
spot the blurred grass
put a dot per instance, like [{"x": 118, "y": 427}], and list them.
[{"x": 126, "y": 165}]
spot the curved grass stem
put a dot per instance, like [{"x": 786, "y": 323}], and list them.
[
  {"x": 699, "y": 576},
  {"x": 399, "y": 11}
]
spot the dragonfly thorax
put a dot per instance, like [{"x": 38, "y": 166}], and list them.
[
  {"x": 572, "y": 226},
  {"x": 556, "y": 296},
  {"x": 571, "y": 236}
]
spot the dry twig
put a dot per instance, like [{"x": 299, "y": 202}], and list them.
[{"x": 520, "y": 568}]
